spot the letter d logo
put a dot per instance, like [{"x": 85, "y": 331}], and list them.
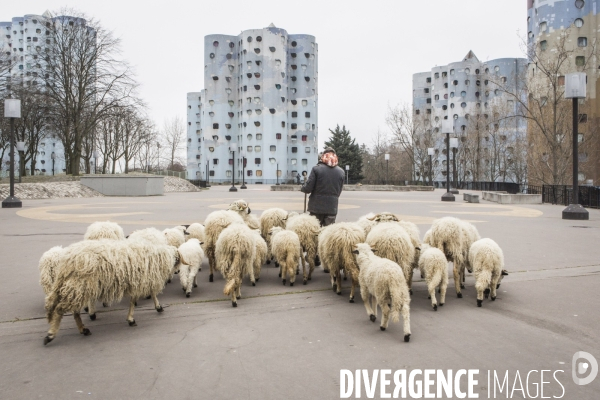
[{"x": 583, "y": 367}]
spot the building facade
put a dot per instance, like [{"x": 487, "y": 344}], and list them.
[
  {"x": 567, "y": 31},
  {"x": 260, "y": 98},
  {"x": 483, "y": 116},
  {"x": 22, "y": 42}
]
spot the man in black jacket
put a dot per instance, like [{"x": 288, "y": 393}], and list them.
[{"x": 324, "y": 184}]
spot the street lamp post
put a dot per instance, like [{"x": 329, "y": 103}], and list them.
[
  {"x": 575, "y": 88},
  {"x": 454, "y": 146},
  {"x": 232, "y": 147},
  {"x": 53, "y": 157},
  {"x": 21, "y": 150},
  {"x": 207, "y": 174},
  {"x": 447, "y": 128},
  {"x": 387, "y": 169},
  {"x": 347, "y": 173},
  {"x": 243, "y": 154},
  {"x": 430, "y": 152},
  {"x": 277, "y": 173},
  {"x": 12, "y": 110}
]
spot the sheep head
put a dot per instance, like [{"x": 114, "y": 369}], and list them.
[
  {"x": 384, "y": 217},
  {"x": 275, "y": 230},
  {"x": 240, "y": 206},
  {"x": 363, "y": 248}
]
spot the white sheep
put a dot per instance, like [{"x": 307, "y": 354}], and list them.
[
  {"x": 191, "y": 255},
  {"x": 261, "y": 253},
  {"x": 367, "y": 222},
  {"x": 49, "y": 264},
  {"x": 382, "y": 284},
  {"x": 104, "y": 230},
  {"x": 453, "y": 237},
  {"x": 336, "y": 243},
  {"x": 175, "y": 236},
  {"x": 107, "y": 270},
  {"x": 151, "y": 235},
  {"x": 196, "y": 231},
  {"x": 487, "y": 262},
  {"x": 393, "y": 242},
  {"x": 434, "y": 269},
  {"x": 307, "y": 228},
  {"x": 271, "y": 218},
  {"x": 234, "y": 256},
  {"x": 286, "y": 248},
  {"x": 213, "y": 226}
]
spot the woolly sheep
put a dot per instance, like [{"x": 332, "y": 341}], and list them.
[
  {"x": 434, "y": 268},
  {"x": 307, "y": 228},
  {"x": 243, "y": 209},
  {"x": 151, "y": 235},
  {"x": 261, "y": 253},
  {"x": 191, "y": 255},
  {"x": 271, "y": 218},
  {"x": 286, "y": 248},
  {"x": 367, "y": 222},
  {"x": 382, "y": 284},
  {"x": 104, "y": 230},
  {"x": 49, "y": 264},
  {"x": 487, "y": 262},
  {"x": 450, "y": 235},
  {"x": 234, "y": 256},
  {"x": 175, "y": 236},
  {"x": 335, "y": 249},
  {"x": 392, "y": 242},
  {"x": 213, "y": 226},
  {"x": 107, "y": 270},
  {"x": 196, "y": 231}
]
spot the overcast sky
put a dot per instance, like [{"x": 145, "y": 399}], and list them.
[{"x": 368, "y": 50}]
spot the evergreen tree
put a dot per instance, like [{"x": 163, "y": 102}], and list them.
[{"x": 347, "y": 150}]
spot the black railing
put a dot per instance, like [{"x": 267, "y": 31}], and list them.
[{"x": 589, "y": 196}]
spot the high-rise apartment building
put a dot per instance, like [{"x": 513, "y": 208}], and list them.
[
  {"x": 261, "y": 100},
  {"x": 564, "y": 35},
  {"x": 467, "y": 93}
]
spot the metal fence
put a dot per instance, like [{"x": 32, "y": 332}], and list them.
[{"x": 589, "y": 196}]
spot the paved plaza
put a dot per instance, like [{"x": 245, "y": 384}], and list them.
[{"x": 285, "y": 342}]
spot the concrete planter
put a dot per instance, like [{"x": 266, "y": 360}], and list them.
[
  {"x": 123, "y": 185},
  {"x": 505, "y": 198}
]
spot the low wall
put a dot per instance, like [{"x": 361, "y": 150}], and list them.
[
  {"x": 505, "y": 198},
  {"x": 123, "y": 185},
  {"x": 361, "y": 188}
]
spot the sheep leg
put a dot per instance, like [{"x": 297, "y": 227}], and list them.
[
  {"x": 443, "y": 287},
  {"x": 457, "y": 282},
  {"x": 385, "y": 318},
  {"x": 409, "y": 279},
  {"x": 157, "y": 305},
  {"x": 333, "y": 280},
  {"x": 338, "y": 277},
  {"x": 233, "y": 297},
  {"x": 462, "y": 276},
  {"x": 494, "y": 285},
  {"x": 82, "y": 329},
  {"x": 239, "y": 291},
  {"x": 211, "y": 265},
  {"x": 367, "y": 301},
  {"x": 92, "y": 310},
  {"x": 292, "y": 272},
  {"x": 282, "y": 273},
  {"x": 311, "y": 262},
  {"x": 303, "y": 261},
  {"x": 479, "y": 287},
  {"x": 354, "y": 284},
  {"x": 130, "y": 319},
  {"x": 195, "y": 284},
  {"x": 406, "y": 317},
  {"x": 251, "y": 272},
  {"x": 54, "y": 325},
  {"x": 431, "y": 290}
]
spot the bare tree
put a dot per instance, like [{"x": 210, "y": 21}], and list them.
[
  {"x": 173, "y": 136},
  {"x": 85, "y": 79},
  {"x": 541, "y": 101}
]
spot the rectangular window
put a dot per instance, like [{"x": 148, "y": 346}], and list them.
[
  {"x": 215, "y": 126},
  {"x": 429, "y": 100},
  {"x": 429, "y": 79},
  {"x": 228, "y": 173},
  {"x": 561, "y": 80},
  {"x": 259, "y": 172},
  {"x": 304, "y": 138},
  {"x": 294, "y": 114},
  {"x": 249, "y": 149},
  {"x": 304, "y": 161},
  {"x": 294, "y": 149},
  {"x": 436, "y": 75},
  {"x": 543, "y": 26},
  {"x": 307, "y": 114},
  {"x": 417, "y": 112},
  {"x": 257, "y": 161},
  {"x": 278, "y": 136},
  {"x": 307, "y": 149},
  {"x": 429, "y": 111},
  {"x": 273, "y": 148},
  {"x": 259, "y": 136},
  {"x": 437, "y": 97},
  {"x": 294, "y": 126},
  {"x": 212, "y": 173},
  {"x": 580, "y": 61},
  {"x": 257, "y": 148},
  {"x": 582, "y": 118},
  {"x": 231, "y": 161},
  {"x": 543, "y": 45},
  {"x": 215, "y": 161},
  {"x": 249, "y": 172},
  {"x": 582, "y": 42},
  {"x": 294, "y": 161}
]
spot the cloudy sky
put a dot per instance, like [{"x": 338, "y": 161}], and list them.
[{"x": 368, "y": 50}]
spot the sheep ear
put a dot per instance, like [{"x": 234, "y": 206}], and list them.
[
  {"x": 372, "y": 218},
  {"x": 186, "y": 226},
  {"x": 354, "y": 251},
  {"x": 127, "y": 237},
  {"x": 504, "y": 272},
  {"x": 378, "y": 219},
  {"x": 186, "y": 233},
  {"x": 285, "y": 218},
  {"x": 374, "y": 249},
  {"x": 418, "y": 248},
  {"x": 249, "y": 211},
  {"x": 201, "y": 243}
]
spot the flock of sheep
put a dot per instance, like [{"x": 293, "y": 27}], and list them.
[{"x": 379, "y": 252}]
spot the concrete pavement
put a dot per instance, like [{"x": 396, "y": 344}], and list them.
[{"x": 291, "y": 342}]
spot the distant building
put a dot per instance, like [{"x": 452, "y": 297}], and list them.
[
  {"x": 23, "y": 40},
  {"x": 463, "y": 92},
  {"x": 261, "y": 94}
]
